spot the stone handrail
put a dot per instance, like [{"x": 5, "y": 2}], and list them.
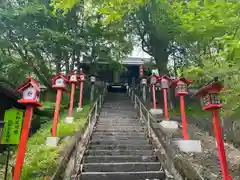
[{"x": 71, "y": 159}]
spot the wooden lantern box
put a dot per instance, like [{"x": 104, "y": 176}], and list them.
[
  {"x": 59, "y": 81},
  {"x": 181, "y": 86},
  {"x": 72, "y": 77},
  {"x": 164, "y": 82},
  {"x": 30, "y": 91},
  {"x": 210, "y": 96}
]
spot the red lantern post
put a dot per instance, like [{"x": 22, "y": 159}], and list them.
[
  {"x": 211, "y": 102},
  {"x": 72, "y": 79},
  {"x": 59, "y": 83},
  {"x": 81, "y": 78},
  {"x": 165, "y": 85},
  {"x": 141, "y": 70},
  {"x": 181, "y": 88},
  {"x": 30, "y": 98},
  {"x": 153, "y": 81}
]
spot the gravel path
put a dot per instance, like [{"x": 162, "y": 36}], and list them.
[{"x": 207, "y": 162}]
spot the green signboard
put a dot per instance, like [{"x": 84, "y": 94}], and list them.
[{"x": 13, "y": 119}]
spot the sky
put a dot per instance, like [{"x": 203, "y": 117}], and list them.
[{"x": 138, "y": 52}]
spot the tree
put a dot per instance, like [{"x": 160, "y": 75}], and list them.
[
  {"x": 210, "y": 33},
  {"x": 45, "y": 44}
]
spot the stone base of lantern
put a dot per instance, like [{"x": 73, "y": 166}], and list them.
[
  {"x": 68, "y": 120},
  {"x": 189, "y": 145},
  {"x": 169, "y": 125},
  {"x": 156, "y": 111},
  {"x": 52, "y": 141},
  {"x": 79, "y": 109}
]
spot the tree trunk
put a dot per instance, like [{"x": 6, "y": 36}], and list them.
[
  {"x": 73, "y": 60},
  {"x": 160, "y": 55},
  {"x": 67, "y": 66},
  {"x": 58, "y": 67}
]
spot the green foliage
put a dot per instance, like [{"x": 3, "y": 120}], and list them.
[
  {"x": 209, "y": 33},
  {"x": 40, "y": 160},
  {"x": 113, "y": 10},
  {"x": 35, "y": 41},
  {"x": 65, "y": 5},
  {"x": 191, "y": 111}
]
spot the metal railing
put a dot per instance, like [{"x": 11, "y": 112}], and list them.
[
  {"x": 176, "y": 166},
  {"x": 93, "y": 113},
  {"x": 70, "y": 163}
]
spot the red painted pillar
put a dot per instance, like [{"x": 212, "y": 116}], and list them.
[
  {"x": 71, "y": 100},
  {"x": 165, "y": 104},
  {"x": 220, "y": 145},
  {"x": 154, "y": 97},
  {"x": 141, "y": 71},
  {"x": 23, "y": 143},
  {"x": 81, "y": 94},
  {"x": 56, "y": 112},
  {"x": 184, "y": 120}
]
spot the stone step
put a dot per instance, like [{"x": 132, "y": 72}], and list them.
[
  {"x": 118, "y": 133},
  {"x": 137, "y": 127},
  {"x": 119, "y": 109},
  {"x": 133, "y": 129},
  {"x": 121, "y": 147},
  {"x": 120, "y": 142},
  {"x": 117, "y": 138},
  {"x": 124, "y": 158},
  {"x": 108, "y": 109},
  {"x": 123, "y": 167},
  {"x": 145, "y": 175},
  {"x": 113, "y": 125},
  {"x": 119, "y": 123},
  {"x": 118, "y": 115},
  {"x": 122, "y": 125},
  {"x": 119, "y": 152}
]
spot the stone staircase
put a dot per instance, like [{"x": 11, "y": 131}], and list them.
[{"x": 119, "y": 148}]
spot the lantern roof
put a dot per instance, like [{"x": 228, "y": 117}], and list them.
[
  {"x": 80, "y": 74},
  {"x": 59, "y": 75},
  {"x": 164, "y": 77},
  {"x": 150, "y": 77},
  {"x": 153, "y": 75},
  {"x": 70, "y": 74},
  {"x": 29, "y": 82},
  {"x": 143, "y": 77},
  {"x": 175, "y": 81},
  {"x": 210, "y": 88}
]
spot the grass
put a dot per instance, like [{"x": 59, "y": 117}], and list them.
[
  {"x": 3, "y": 158},
  {"x": 193, "y": 111},
  {"x": 41, "y": 161},
  {"x": 48, "y": 105}
]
